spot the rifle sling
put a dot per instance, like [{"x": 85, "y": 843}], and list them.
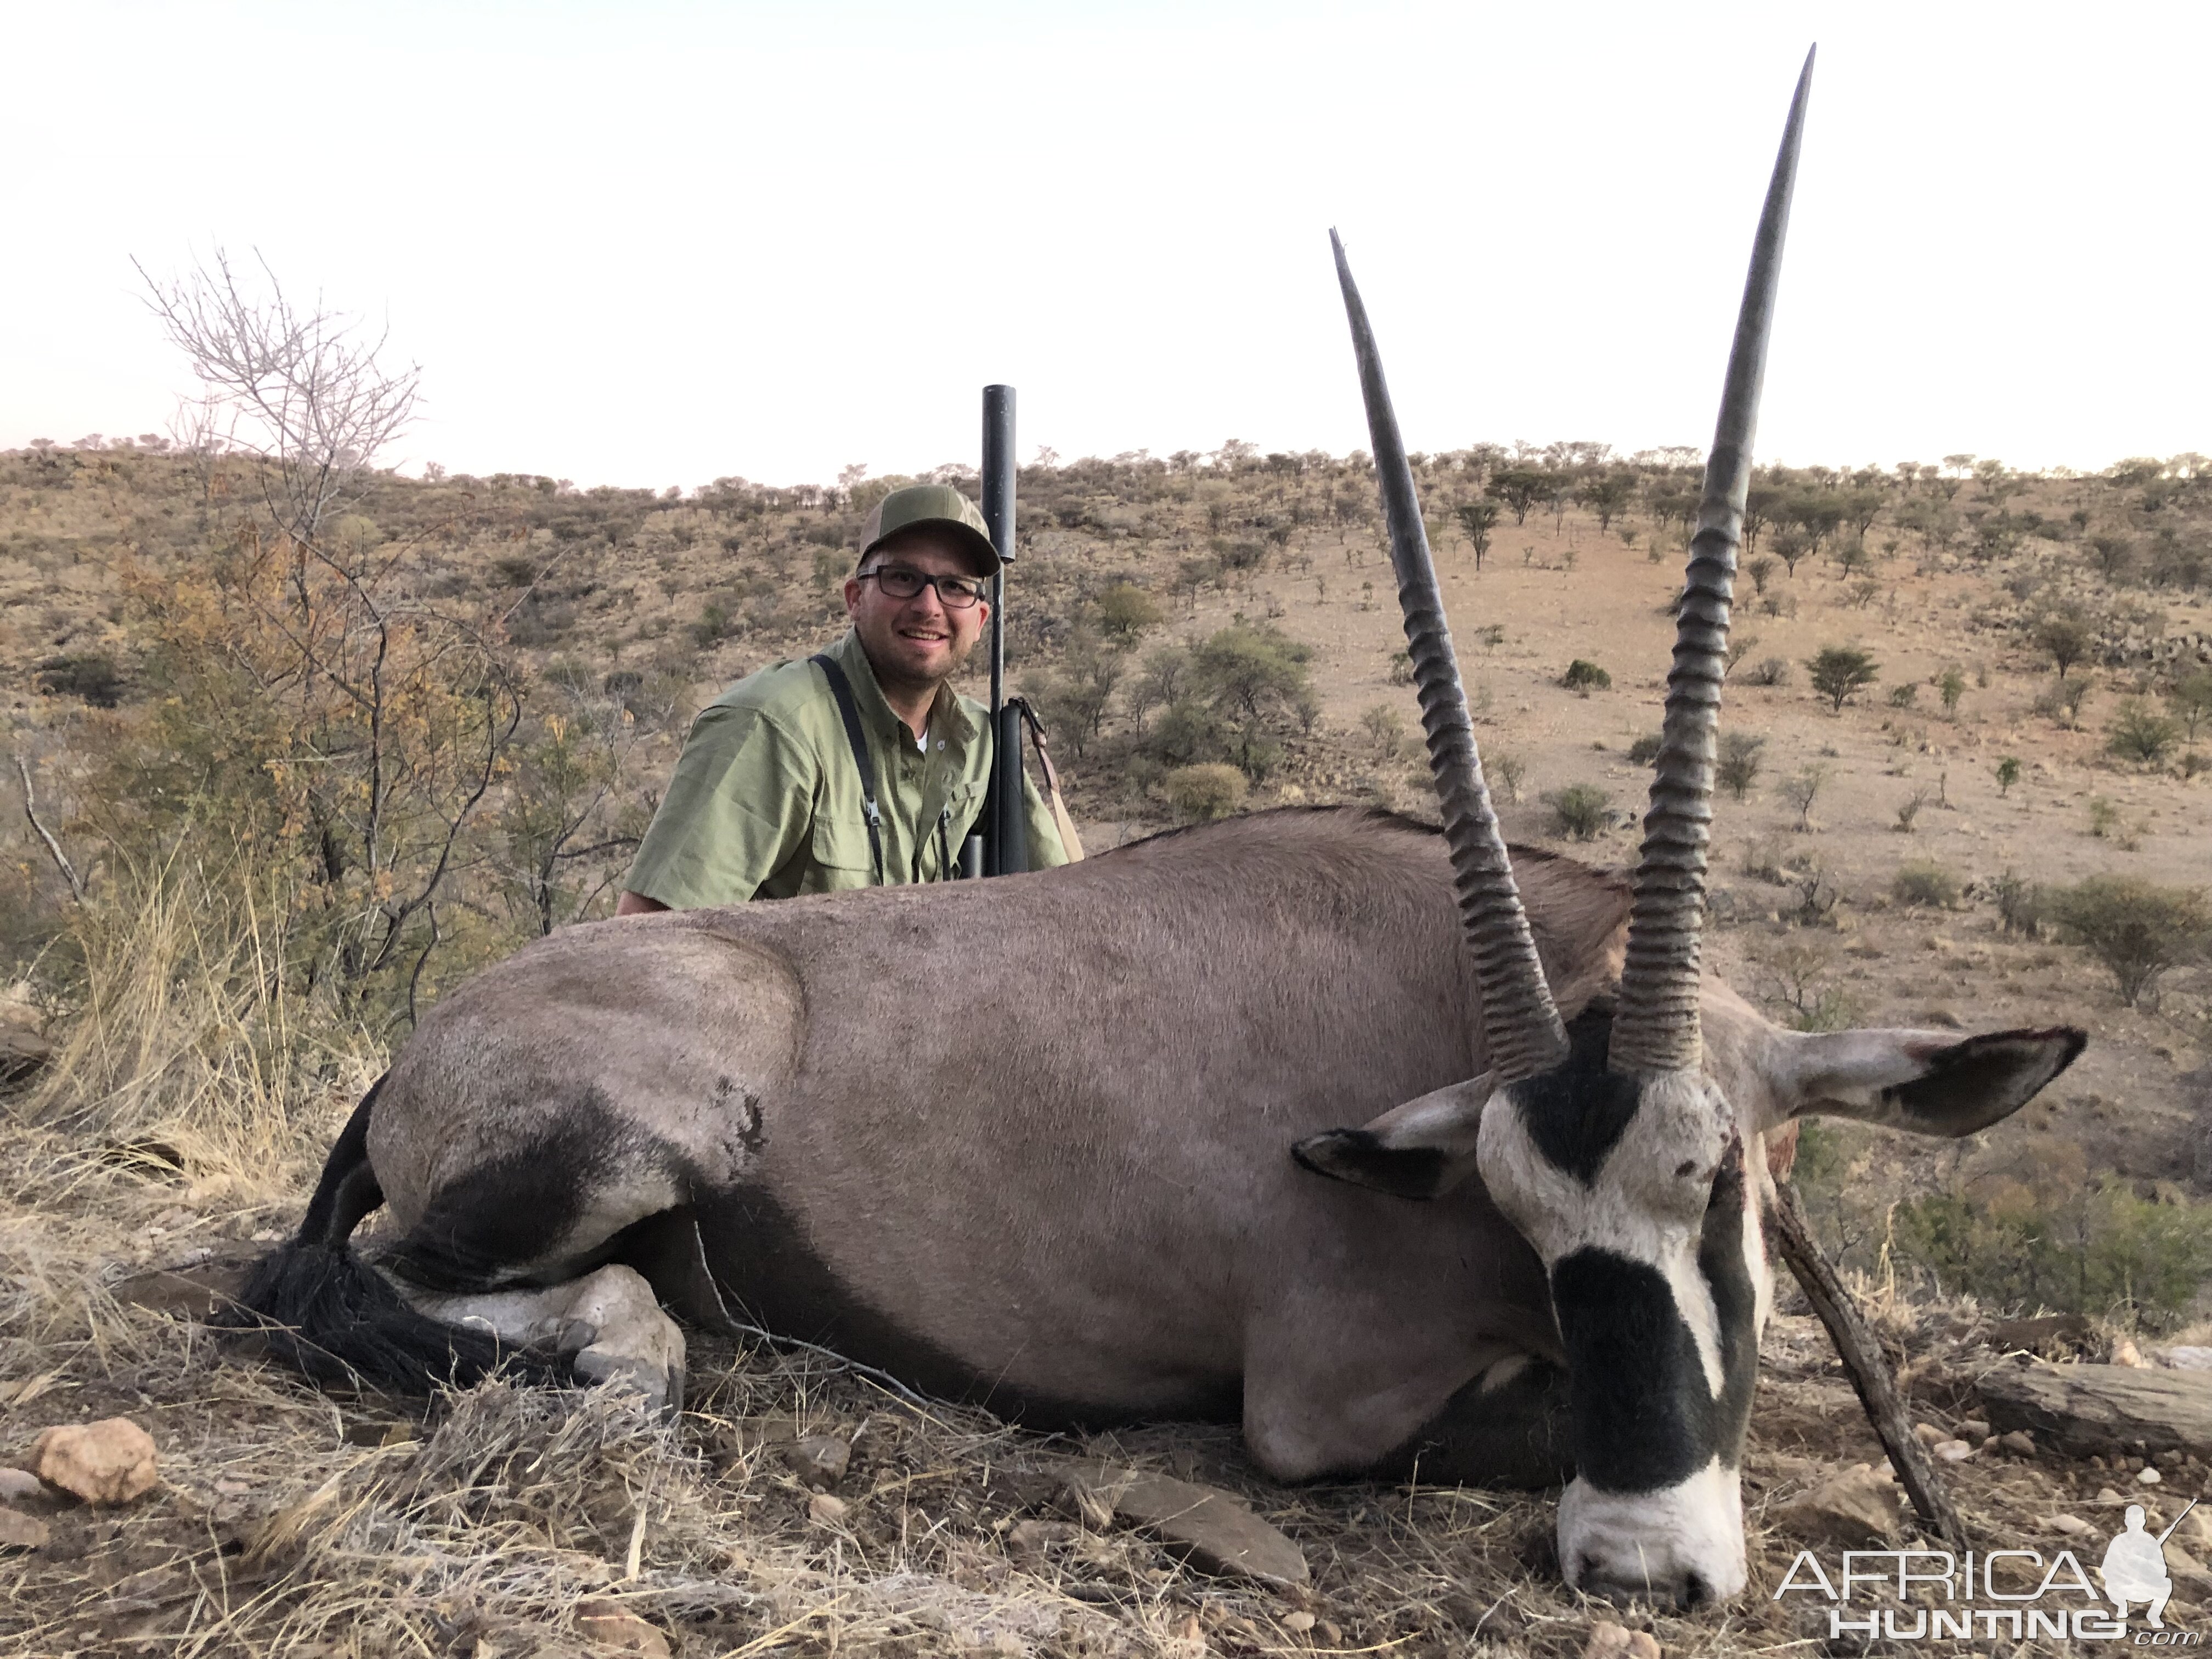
[{"x": 849, "y": 712}]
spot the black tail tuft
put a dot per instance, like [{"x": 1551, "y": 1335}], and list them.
[{"x": 320, "y": 1308}]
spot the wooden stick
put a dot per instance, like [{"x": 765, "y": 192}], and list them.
[
  {"x": 1867, "y": 1366},
  {"x": 53, "y": 847}
]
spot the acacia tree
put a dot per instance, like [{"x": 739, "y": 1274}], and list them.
[
  {"x": 1840, "y": 672},
  {"x": 1520, "y": 488},
  {"x": 1478, "y": 519}
]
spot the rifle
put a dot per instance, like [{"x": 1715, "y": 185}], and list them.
[{"x": 1003, "y": 841}]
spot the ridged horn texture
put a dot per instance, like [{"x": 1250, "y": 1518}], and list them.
[
  {"x": 1654, "y": 1026},
  {"x": 1521, "y": 1025}
]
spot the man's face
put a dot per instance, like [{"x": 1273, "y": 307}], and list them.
[{"x": 920, "y": 642}]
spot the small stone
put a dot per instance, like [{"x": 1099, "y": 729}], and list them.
[
  {"x": 19, "y": 1483},
  {"x": 824, "y": 1510},
  {"x": 2072, "y": 1525},
  {"x": 2020, "y": 1441},
  {"x": 1297, "y": 1623},
  {"x": 1610, "y": 1641},
  {"x": 818, "y": 1460},
  {"x": 1973, "y": 1429},
  {"x": 2106, "y": 1495},
  {"x": 1848, "y": 1510},
  {"x": 1929, "y": 1434},
  {"x": 111, "y": 1462},
  {"x": 1035, "y": 1537},
  {"x": 19, "y": 1531},
  {"x": 611, "y": 1625},
  {"x": 1953, "y": 1451},
  {"x": 1330, "y": 1632},
  {"x": 2149, "y": 1478}
]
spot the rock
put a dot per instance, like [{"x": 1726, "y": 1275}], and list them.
[
  {"x": 1973, "y": 1430},
  {"x": 2124, "y": 1352},
  {"x": 1297, "y": 1623},
  {"x": 2083, "y": 1409},
  {"x": 1952, "y": 1451},
  {"x": 24, "y": 1049},
  {"x": 818, "y": 1460},
  {"x": 19, "y": 1483},
  {"x": 824, "y": 1510},
  {"x": 1610, "y": 1641},
  {"x": 2106, "y": 1495},
  {"x": 1035, "y": 1537},
  {"x": 2185, "y": 1357},
  {"x": 1849, "y": 1510},
  {"x": 611, "y": 1625},
  {"x": 2072, "y": 1525},
  {"x": 2019, "y": 1442},
  {"x": 1929, "y": 1434},
  {"x": 111, "y": 1462},
  {"x": 1212, "y": 1529},
  {"x": 2149, "y": 1477},
  {"x": 19, "y": 1531}
]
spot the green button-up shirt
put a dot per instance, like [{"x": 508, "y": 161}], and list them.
[{"x": 766, "y": 798}]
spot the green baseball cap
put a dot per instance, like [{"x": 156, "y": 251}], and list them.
[{"x": 940, "y": 507}]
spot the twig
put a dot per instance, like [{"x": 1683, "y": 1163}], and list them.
[
  {"x": 883, "y": 1378},
  {"x": 53, "y": 847},
  {"x": 1868, "y": 1367}
]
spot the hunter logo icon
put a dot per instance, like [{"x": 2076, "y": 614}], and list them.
[{"x": 2134, "y": 1568}]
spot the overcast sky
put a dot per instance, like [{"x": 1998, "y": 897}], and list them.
[{"x": 653, "y": 243}]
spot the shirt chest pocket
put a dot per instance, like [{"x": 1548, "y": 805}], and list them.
[{"x": 841, "y": 844}]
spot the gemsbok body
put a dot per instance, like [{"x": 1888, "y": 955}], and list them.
[{"x": 1077, "y": 1144}]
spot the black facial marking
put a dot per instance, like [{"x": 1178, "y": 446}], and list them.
[
  {"x": 1642, "y": 1416},
  {"x": 1973, "y": 1083},
  {"x": 1577, "y": 1114},
  {"x": 1515, "y": 1435}
]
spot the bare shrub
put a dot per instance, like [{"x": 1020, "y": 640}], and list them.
[
  {"x": 1801, "y": 791},
  {"x": 2140, "y": 733},
  {"x": 2019, "y": 903},
  {"x": 1769, "y": 670}
]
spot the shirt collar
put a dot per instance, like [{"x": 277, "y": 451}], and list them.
[{"x": 947, "y": 718}]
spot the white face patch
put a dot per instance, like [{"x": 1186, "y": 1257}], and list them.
[{"x": 1680, "y": 1545}]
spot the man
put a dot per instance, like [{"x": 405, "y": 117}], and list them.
[
  {"x": 2134, "y": 1570},
  {"x": 768, "y": 801}
]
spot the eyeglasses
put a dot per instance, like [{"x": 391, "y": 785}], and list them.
[{"x": 896, "y": 581}]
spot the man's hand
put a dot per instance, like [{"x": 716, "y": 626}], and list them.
[{"x": 636, "y": 904}]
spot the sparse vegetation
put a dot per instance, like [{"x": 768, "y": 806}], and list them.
[
  {"x": 1205, "y": 791},
  {"x": 2007, "y": 774},
  {"x": 1736, "y": 766},
  {"x": 1801, "y": 791},
  {"x": 2139, "y": 733}
]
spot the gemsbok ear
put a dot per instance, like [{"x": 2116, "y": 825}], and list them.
[
  {"x": 1422, "y": 1149},
  {"x": 1928, "y": 1082}
]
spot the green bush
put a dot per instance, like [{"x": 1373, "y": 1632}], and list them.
[
  {"x": 1585, "y": 677},
  {"x": 2095, "y": 1249},
  {"x": 1925, "y": 885},
  {"x": 1840, "y": 672},
  {"x": 1579, "y": 810},
  {"x": 2137, "y": 929},
  {"x": 1737, "y": 768},
  {"x": 1125, "y": 609},
  {"x": 1202, "y": 793},
  {"x": 2138, "y": 733},
  {"x": 1644, "y": 750}
]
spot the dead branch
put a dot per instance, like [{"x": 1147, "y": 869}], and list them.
[
  {"x": 1867, "y": 1366},
  {"x": 53, "y": 847}
]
